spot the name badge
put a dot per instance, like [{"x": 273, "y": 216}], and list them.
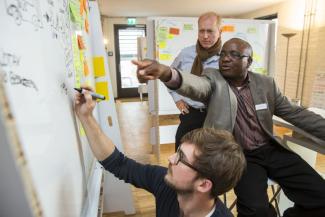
[{"x": 261, "y": 106}]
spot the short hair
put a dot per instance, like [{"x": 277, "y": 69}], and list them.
[
  {"x": 210, "y": 14},
  {"x": 244, "y": 43},
  {"x": 219, "y": 158}
]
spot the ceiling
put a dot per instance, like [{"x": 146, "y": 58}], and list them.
[{"x": 144, "y": 8}]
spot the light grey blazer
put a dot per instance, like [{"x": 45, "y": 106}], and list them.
[{"x": 221, "y": 101}]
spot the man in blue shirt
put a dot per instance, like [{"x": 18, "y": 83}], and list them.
[
  {"x": 194, "y": 59},
  {"x": 208, "y": 163}
]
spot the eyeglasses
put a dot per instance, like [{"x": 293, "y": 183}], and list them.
[
  {"x": 180, "y": 158},
  {"x": 232, "y": 54}
]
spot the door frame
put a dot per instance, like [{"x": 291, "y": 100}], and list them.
[{"x": 123, "y": 92}]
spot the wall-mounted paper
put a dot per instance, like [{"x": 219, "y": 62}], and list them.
[
  {"x": 170, "y": 36},
  {"x": 99, "y": 68},
  {"x": 188, "y": 27},
  {"x": 74, "y": 7},
  {"x": 174, "y": 31},
  {"x": 81, "y": 43},
  {"x": 162, "y": 44},
  {"x": 251, "y": 30},
  {"x": 78, "y": 67},
  {"x": 165, "y": 56},
  {"x": 228, "y": 28},
  {"x": 86, "y": 25},
  {"x": 102, "y": 88},
  {"x": 162, "y": 34},
  {"x": 86, "y": 68}
]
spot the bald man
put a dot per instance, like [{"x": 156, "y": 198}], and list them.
[
  {"x": 243, "y": 103},
  {"x": 194, "y": 59}
]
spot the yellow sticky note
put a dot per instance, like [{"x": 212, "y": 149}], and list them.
[
  {"x": 102, "y": 88},
  {"x": 164, "y": 56},
  {"x": 170, "y": 36},
  {"x": 99, "y": 68},
  {"x": 82, "y": 131},
  {"x": 76, "y": 61},
  {"x": 162, "y": 45}
]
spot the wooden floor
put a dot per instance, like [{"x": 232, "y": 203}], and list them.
[{"x": 135, "y": 125}]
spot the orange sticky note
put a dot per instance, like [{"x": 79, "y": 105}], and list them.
[
  {"x": 82, "y": 8},
  {"x": 81, "y": 43},
  {"x": 228, "y": 28},
  {"x": 86, "y": 25},
  {"x": 174, "y": 31},
  {"x": 85, "y": 5},
  {"x": 86, "y": 68}
]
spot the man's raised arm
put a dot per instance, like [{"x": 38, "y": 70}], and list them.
[
  {"x": 100, "y": 144},
  {"x": 151, "y": 70}
]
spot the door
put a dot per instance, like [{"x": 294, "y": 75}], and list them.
[{"x": 126, "y": 50}]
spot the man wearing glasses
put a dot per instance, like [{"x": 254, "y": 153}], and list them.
[
  {"x": 194, "y": 59},
  {"x": 243, "y": 103},
  {"x": 207, "y": 164}
]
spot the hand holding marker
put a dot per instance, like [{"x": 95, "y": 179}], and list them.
[{"x": 93, "y": 94}]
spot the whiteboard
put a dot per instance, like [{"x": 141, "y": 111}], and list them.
[
  {"x": 172, "y": 34},
  {"x": 36, "y": 56},
  {"x": 166, "y": 47}
]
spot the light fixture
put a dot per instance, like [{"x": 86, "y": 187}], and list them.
[{"x": 288, "y": 36}]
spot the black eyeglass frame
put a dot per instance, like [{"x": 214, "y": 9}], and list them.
[
  {"x": 180, "y": 158},
  {"x": 232, "y": 54}
]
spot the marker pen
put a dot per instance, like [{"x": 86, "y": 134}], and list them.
[{"x": 94, "y": 95}]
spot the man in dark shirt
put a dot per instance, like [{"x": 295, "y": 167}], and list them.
[
  {"x": 208, "y": 163},
  {"x": 243, "y": 103}
]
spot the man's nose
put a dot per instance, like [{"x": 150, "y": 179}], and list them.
[{"x": 206, "y": 35}]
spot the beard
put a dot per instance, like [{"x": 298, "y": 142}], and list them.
[{"x": 180, "y": 190}]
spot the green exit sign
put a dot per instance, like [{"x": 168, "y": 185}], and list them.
[{"x": 132, "y": 21}]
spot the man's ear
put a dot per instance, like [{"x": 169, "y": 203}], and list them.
[
  {"x": 249, "y": 61},
  {"x": 205, "y": 185}
]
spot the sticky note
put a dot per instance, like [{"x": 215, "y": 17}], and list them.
[
  {"x": 188, "y": 26},
  {"x": 99, "y": 67},
  {"x": 164, "y": 56},
  {"x": 86, "y": 25},
  {"x": 228, "y": 28},
  {"x": 162, "y": 44},
  {"x": 74, "y": 7},
  {"x": 76, "y": 61},
  {"x": 86, "y": 68},
  {"x": 82, "y": 9},
  {"x": 174, "y": 31},
  {"x": 102, "y": 88},
  {"x": 162, "y": 34},
  {"x": 251, "y": 30},
  {"x": 81, "y": 130},
  {"x": 81, "y": 43},
  {"x": 85, "y": 6},
  {"x": 170, "y": 36}
]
